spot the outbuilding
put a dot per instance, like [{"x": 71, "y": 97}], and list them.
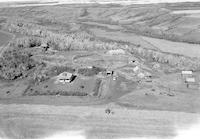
[
  {"x": 135, "y": 69},
  {"x": 141, "y": 75},
  {"x": 109, "y": 72},
  {"x": 191, "y": 83},
  {"x": 186, "y": 73},
  {"x": 190, "y": 80}
]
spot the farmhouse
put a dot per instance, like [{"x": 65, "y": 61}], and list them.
[{"x": 65, "y": 77}]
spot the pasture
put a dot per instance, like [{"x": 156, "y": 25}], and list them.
[
  {"x": 186, "y": 49},
  {"x": 42, "y": 121},
  {"x": 190, "y": 50}
]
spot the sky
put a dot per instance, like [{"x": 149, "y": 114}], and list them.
[{"x": 86, "y": 1}]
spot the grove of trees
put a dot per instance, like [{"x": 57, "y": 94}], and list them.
[{"x": 15, "y": 63}]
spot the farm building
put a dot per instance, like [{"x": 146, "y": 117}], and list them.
[
  {"x": 190, "y": 80},
  {"x": 141, "y": 75},
  {"x": 135, "y": 69},
  {"x": 45, "y": 46},
  {"x": 109, "y": 72},
  {"x": 65, "y": 77},
  {"x": 191, "y": 83},
  {"x": 156, "y": 66},
  {"x": 116, "y": 52},
  {"x": 186, "y": 73},
  {"x": 133, "y": 61}
]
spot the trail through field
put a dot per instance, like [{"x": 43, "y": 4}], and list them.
[
  {"x": 4, "y": 39},
  {"x": 42, "y": 121}
]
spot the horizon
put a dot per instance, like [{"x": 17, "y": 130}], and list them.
[{"x": 97, "y": 1}]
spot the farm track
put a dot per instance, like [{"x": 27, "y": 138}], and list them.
[{"x": 4, "y": 47}]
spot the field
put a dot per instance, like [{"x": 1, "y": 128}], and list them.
[
  {"x": 126, "y": 62},
  {"x": 40, "y": 121},
  {"x": 124, "y": 37},
  {"x": 4, "y": 38},
  {"x": 79, "y": 86},
  {"x": 167, "y": 93},
  {"x": 190, "y": 50}
]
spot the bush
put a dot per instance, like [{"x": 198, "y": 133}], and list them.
[
  {"x": 53, "y": 93},
  {"x": 15, "y": 63},
  {"x": 90, "y": 72},
  {"x": 26, "y": 42}
]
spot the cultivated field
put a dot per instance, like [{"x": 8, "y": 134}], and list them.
[{"x": 40, "y": 121}]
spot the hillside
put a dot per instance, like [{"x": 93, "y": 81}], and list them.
[{"x": 160, "y": 21}]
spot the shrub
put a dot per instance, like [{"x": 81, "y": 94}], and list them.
[
  {"x": 90, "y": 72},
  {"x": 15, "y": 63},
  {"x": 26, "y": 42},
  {"x": 53, "y": 93}
]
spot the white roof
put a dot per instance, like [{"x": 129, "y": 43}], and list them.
[
  {"x": 66, "y": 75},
  {"x": 116, "y": 51},
  {"x": 135, "y": 68},
  {"x": 191, "y": 80},
  {"x": 141, "y": 75},
  {"x": 186, "y": 72}
]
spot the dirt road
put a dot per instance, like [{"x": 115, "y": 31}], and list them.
[{"x": 42, "y": 121}]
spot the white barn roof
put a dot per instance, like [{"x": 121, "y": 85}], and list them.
[
  {"x": 190, "y": 80},
  {"x": 186, "y": 72},
  {"x": 66, "y": 75}
]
